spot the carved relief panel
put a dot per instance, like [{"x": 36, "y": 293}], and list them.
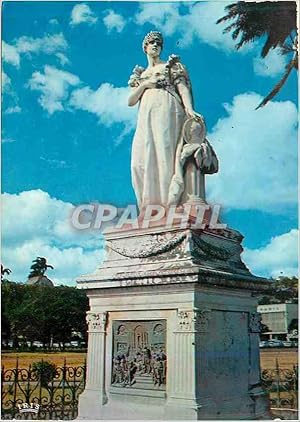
[{"x": 139, "y": 354}]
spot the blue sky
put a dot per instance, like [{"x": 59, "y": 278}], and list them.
[{"x": 67, "y": 129}]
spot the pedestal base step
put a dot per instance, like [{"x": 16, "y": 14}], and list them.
[{"x": 145, "y": 392}]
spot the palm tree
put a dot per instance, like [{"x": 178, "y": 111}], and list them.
[
  {"x": 4, "y": 271},
  {"x": 39, "y": 267},
  {"x": 274, "y": 20}
]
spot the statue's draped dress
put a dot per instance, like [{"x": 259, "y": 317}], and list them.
[{"x": 159, "y": 126}]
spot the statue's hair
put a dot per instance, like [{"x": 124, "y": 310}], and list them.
[{"x": 150, "y": 36}]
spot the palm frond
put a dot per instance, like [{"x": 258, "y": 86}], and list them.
[
  {"x": 276, "y": 20},
  {"x": 279, "y": 85},
  {"x": 287, "y": 48}
]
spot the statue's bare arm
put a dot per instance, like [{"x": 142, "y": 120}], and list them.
[{"x": 186, "y": 98}]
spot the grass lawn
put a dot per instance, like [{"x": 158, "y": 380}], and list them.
[
  {"x": 286, "y": 358},
  {"x": 27, "y": 358}
]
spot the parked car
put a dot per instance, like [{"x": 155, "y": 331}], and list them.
[
  {"x": 287, "y": 343},
  {"x": 38, "y": 344},
  {"x": 275, "y": 343},
  {"x": 263, "y": 344}
]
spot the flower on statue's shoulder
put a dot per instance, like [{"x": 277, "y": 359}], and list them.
[
  {"x": 173, "y": 58},
  {"x": 177, "y": 70},
  {"x": 133, "y": 82},
  {"x": 134, "y": 79},
  {"x": 138, "y": 70}
]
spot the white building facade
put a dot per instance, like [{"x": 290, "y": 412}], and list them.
[{"x": 278, "y": 318}]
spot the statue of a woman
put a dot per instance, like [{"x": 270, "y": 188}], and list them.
[{"x": 163, "y": 91}]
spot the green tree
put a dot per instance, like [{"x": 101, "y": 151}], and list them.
[
  {"x": 12, "y": 295},
  {"x": 42, "y": 313},
  {"x": 275, "y": 21},
  {"x": 284, "y": 289},
  {"x": 34, "y": 314},
  {"x": 69, "y": 310},
  {"x": 293, "y": 326}
]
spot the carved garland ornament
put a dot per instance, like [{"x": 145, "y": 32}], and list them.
[
  {"x": 214, "y": 251},
  {"x": 96, "y": 321},
  {"x": 255, "y": 322},
  {"x": 155, "y": 248}
]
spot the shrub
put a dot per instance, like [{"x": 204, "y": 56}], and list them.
[{"x": 45, "y": 371}]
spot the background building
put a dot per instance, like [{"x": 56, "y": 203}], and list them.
[{"x": 280, "y": 318}]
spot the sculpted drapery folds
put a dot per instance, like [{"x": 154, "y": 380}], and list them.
[{"x": 169, "y": 153}]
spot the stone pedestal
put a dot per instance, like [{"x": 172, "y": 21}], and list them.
[{"x": 195, "y": 284}]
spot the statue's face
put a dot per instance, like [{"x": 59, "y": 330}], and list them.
[
  {"x": 153, "y": 47},
  {"x": 195, "y": 131}
]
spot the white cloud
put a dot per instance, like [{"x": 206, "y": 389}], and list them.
[
  {"x": 163, "y": 16},
  {"x": 109, "y": 103},
  {"x": 272, "y": 65},
  {"x": 12, "y": 110},
  {"x": 49, "y": 44},
  {"x": 54, "y": 86},
  {"x": 10, "y": 54},
  {"x": 53, "y": 21},
  {"x": 202, "y": 25},
  {"x": 68, "y": 263},
  {"x": 62, "y": 164},
  {"x": 278, "y": 257},
  {"x": 114, "y": 21},
  {"x": 63, "y": 59},
  {"x": 34, "y": 224},
  {"x": 81, "y": 13},
  {"x": 197, "y": 22},
  {"x": 257, "y": 150},
  {"x": 10, "y": 96},
  {"x": 6, "y": 82},
  {"x": 54, "y": 44},
  {"x": 8, "y": 140}
]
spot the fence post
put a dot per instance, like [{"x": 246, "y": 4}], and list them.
[
  {"x": 28, "y": 390},
  {"x": 84, "y": 372},
  {"x": 40, "y": 385},
  {"x": 15, "y": 386},
  {"x": 2, "y": 389},
  {"x": 63, "y": 386},
  {"x": 295, "y": 386},
  {"x": 277, "y": 383}
]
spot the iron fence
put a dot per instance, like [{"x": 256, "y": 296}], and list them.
[
  {"x": 31, "y": 394},
  {"x": 27, "y": 395},
  {"x": 282, "y": 387}
]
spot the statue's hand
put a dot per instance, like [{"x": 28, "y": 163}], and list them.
[
  {"x": 149, "y": 84},
  {"x": 190, "y": 112}
]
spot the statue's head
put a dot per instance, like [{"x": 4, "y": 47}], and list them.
[{"x": 153, "y": 36}]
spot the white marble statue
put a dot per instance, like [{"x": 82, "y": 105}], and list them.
[{"x": 167, "y": 147}]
